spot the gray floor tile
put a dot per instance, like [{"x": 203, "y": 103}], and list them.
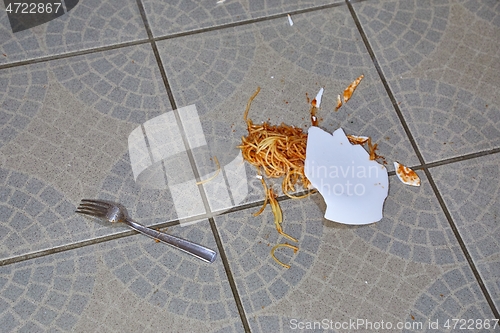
[
  {"x": 69, "y": 141},
  {"x": 182, "y": 16},
  {"x": 127, "y": 285},
  {"x": 88, "y": 25},
  {"x": 471, "y": 193},
  {"x": 437, "y": 58},
  {"x": 340, "y": 273},
  {"x": 218, "y": 71}
]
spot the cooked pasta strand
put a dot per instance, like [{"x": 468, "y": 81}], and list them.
[
  {"x": 278, "y": 215},
  {"x": 214, "y": 175},
  {"x": 294, "y": 248},
  {"x": 267, "y": 195}
]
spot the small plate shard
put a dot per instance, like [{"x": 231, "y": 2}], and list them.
[
  {"x": 406, "y": 175},
  {"x": 353, "y": 186},
  {"x": 357, "y": 139},
  {"x": 316, "y": 102}
]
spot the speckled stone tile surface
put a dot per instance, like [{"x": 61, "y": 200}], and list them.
[
  {"x": 142, "y": 103},
  {"x": 470, "y": 189},
  {"x": 440, "y": 58},
  {"x": 399, "y": 269},
  {"x": 90, "y": 24},
  {"x": 69, "y": 141},
  {"x": 181, "y": 16},
  {"x": 132, "y": 284}
]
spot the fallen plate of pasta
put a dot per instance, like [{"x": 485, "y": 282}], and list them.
[{"x": 352, "y": 183}]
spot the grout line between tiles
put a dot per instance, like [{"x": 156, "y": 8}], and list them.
[
  {"x": 93, "y": 241},
  {"x": 63, "y": 248},
  {"x": 384, "y": 82},
  {"x": 151, "y": 39},
  {"x": 249, "y": 21},
  {"x": 156, "y": 54},
  {"x": 461, "y": 158},
  {"x": 461, "y": 242},
  {"x": 255, "y": 204},
  {"x": 73, "y": 54},
  {"x": 229, "y": 274},
  {"x": 173, "y": 104},
  {"x": 357, "y": 1},
  {"x": 194, "y": 168},
  {"x": 451, "y": 160},
  {"x": 424, "y": 167}
]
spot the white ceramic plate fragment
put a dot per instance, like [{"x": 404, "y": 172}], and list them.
[
  {"x": 317, "y": 101},
  {"x": 406, "y": 175},
  {"x": 353, "y": 186}
]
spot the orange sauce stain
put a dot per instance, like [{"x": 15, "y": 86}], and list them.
[
  {"x": 357, "y": 140},
  {"x": 407, "y": 175}
]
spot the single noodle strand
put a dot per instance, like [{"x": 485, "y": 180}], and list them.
[
  {"x": 213, "y": 176},
  {"x": 294, "y": 248}
]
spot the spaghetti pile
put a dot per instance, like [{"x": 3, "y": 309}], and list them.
[
  {"x": 281, "y": 152},
  {"x": 278, "y": 150}
]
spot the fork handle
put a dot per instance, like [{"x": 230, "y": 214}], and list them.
[{"x": 193, "y": 249}]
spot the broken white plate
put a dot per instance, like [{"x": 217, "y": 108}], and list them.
[{"x": 353, "y": 186}]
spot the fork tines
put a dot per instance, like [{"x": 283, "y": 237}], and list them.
[{"x": 93, "y": 208}]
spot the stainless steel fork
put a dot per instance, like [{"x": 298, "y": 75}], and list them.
[{"x": 114, "y": 212}]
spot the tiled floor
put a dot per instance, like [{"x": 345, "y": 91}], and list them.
[{"x": 78, "y": 94}]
